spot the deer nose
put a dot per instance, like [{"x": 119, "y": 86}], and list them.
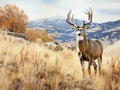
[{"x": 79, "y": 34}]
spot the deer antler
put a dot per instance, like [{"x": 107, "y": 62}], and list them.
[
  {"x": 90, "y": 15},
  {"x": 75, "y": 26}
]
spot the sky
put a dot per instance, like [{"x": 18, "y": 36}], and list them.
[{"x": 103, "y": 10}]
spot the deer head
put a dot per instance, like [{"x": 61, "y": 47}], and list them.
[{"x": 80, "y": 30}]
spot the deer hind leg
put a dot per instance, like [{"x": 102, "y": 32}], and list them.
[
  {"x": 83, "y": 66},
  {"x": 99, "y": 64},
  {"x": 89, "y": 67},
  {"x": 95, "y": 67}
]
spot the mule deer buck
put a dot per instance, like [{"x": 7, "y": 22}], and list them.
[{"x": 87, "y": 49}]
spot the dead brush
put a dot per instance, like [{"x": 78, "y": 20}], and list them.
[
  {"x": 1, "y": 64},
  {"x": 15, "y": 84},
  {"x": 46, "y": 78},
  {"x": 111, "y": 78},
  {"x": 12, "y": 67},
  {"x": 44, "y": 69}
]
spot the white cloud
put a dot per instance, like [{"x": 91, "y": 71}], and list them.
[
  {"x": 104, "y": 10},
  {"x": 3, "y": 2}
]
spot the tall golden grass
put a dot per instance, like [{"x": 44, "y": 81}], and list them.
[{"x": 30, "y": 66}]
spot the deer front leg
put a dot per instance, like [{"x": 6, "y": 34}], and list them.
[
  {"x": 79, "y": 52},
  {"x": 89, "y": 67},
  {"x": 99, "y": 63},
  {"x": 95, "y": 67},
  {"x": 83, "y": 66}
]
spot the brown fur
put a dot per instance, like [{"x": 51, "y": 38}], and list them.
[
  {"x": 90, "y": 51},
  {"x": 93, "y": 46}
]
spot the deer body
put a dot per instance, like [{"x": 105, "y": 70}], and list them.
[
  {"x": 87, "y": 49},
  {"x": 90, "y": 47}
]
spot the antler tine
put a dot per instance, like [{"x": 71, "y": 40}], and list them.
[
  {"x": 75, "y": 20},
  {"x": 74, "y": 25},
  {"x": 90, "y": 15},
  {"x": 83, "y": 22},
  {"x": 72, "y": 17}
]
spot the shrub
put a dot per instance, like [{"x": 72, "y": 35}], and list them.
[
  {"x": 39, "y": 35},
  {"x": 13, "y": 19}
]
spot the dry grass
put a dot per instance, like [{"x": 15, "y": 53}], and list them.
[
  {"x": 30, "y": 66},
  {"x": 39, "y": 36}
]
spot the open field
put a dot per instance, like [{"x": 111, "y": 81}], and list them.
[{"x": 30, "y": 66}]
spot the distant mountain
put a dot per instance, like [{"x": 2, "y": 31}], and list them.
[{"x": 108, "y": 32}]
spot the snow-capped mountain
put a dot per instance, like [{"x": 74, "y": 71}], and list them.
[{"x": 108, "y": 32}]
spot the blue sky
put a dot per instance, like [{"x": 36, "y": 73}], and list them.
[{"x": 103, "y": 10}]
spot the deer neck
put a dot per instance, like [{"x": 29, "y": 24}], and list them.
[{"x": 82, "y": 44}]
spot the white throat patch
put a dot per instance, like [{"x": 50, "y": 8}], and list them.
[{"x": 80, "y": 38}]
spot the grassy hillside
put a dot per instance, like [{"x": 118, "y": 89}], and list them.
[
  {"x": 113, "y": 50},
  {"x": 30, "y": 66}
]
